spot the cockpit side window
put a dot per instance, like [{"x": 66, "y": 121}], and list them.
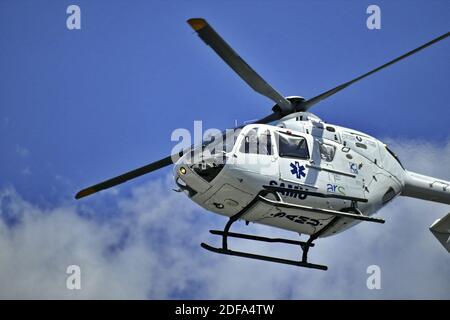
[
  {"x": 293, "y": 147},
  {"x": 257, "y": 142}
]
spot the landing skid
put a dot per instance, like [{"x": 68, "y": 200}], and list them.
[
  {"x": 304, "y": 246},
  {"x": 225, "y": 234},
  {"x": 264, "y": 258}
]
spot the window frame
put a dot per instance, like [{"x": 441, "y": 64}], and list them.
[
  {"x": 292, "y": 136},
  {"x": 319, "y": 150},
  {"x": 240, "y": 143}
]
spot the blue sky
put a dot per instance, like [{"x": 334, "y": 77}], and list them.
[{"x": 80, "y": 106}]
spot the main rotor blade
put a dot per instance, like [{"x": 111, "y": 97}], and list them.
[
  {"x": 309, "y": 103},
  {"x": 271, "y": 117},
  {"x": 254, "y": 80},
  {"x": 125, "y": 177}
]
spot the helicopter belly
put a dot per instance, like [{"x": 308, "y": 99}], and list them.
[
  {"x": 233, "y": 191},
  {"x": 295, "y": 220},
  {"x": 228, "y": 200}
]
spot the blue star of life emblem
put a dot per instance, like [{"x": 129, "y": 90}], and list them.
[{"x": 298, "y": 170}]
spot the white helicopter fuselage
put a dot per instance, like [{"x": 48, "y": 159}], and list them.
[
  {"x": 298, "y": 173},
  {"x": 337, "y": 169}
]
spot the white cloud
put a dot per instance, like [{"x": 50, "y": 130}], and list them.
[
  {"x": 6, "y": 122},
  {"x": 150, "y": 249},
  {"x": 22, "y": 151},
  {"x": 26, "y": 171}
]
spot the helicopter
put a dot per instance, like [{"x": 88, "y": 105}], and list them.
[{"x": 291, "y": 170}]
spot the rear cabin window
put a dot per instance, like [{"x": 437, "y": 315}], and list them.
[
  {"x": 293, "y": 147},
  {"x": 327, "y": 151}
]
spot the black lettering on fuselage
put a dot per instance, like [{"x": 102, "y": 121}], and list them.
[{"x": 288, "y": 193}]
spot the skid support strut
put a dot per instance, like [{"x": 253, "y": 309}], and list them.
[{"x": 226, "y": 233}]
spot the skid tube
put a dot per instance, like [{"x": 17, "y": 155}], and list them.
[{"x": 302, "y": 244}]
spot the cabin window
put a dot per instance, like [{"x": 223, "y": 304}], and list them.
[
  {"x": 361, "y": 145},
  {"x": 293, "y": 147},
  {"x": 257, "y": 142},
  {"x": 327, "y": 151}
]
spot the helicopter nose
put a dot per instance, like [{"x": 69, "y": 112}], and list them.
[{"x": 187, "y": 179}]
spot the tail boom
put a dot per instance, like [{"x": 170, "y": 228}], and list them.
[{"x": 426, "y": 188}]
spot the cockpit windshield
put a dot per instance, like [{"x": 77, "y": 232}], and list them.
[
  {"x": 214, "y": 148},
  {"x": 208, "y": 159},
  {"x": 220, "y": 144}
]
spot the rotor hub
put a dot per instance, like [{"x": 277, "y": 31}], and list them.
[{"x": 295, "y": 101}]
